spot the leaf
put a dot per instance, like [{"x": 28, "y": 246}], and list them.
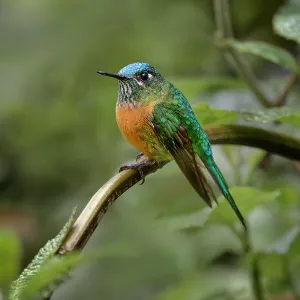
[
  {"x": 286, "y": 22},
  {"x": 191, "y": 87},
  {"x": 10, "y": 252},
  {"x": 294, "y": 251},
  {"x": 267, "y": 227},
  {"x": 207, "y": 115},
  {"x": 282, "y": 246},
  {"x": 186, "y": 221},
  {"x": 272, "y": 260},
  {"x": 233, "y": 155},
  {"x": 253, "y": 160},
  {"x": 52, "y": 274},
  {"x": 246, "y": 198},
  {"x": 55, "y": 270},
  {"x": 271, "y": 266},
  {"x": 269, "y": 52},
  {"x": 292, "y": 118},
  {"x": 287, "y": 245},
  {"x": 282, "y": 114},
  {"x": 289, "y": 196},
  {"x": 226, "y": 283},
  {"x": 44, "y": 255}
]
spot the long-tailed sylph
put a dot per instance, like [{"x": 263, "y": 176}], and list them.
[{"x": 156, "y": 118}]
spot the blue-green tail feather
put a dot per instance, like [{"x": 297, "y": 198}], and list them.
[{"x": 221, "y": 183}]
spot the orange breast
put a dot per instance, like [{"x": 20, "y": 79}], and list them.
[{"x": 135, "y": 126}]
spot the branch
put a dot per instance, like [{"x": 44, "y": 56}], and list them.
[
  {"x": 255, "y": 274},
  {"x": 291, "y": 82},
  {"x": 92, "y": 214},
  {"x": 281, "y": 101},
  {"x": 97, "y": 207},
  {"x": 224, "y": 31}
]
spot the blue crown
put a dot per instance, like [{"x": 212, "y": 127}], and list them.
[{"x": 134, "y": 68}]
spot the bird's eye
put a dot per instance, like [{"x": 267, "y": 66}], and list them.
[{"x": 144, "y": 76}]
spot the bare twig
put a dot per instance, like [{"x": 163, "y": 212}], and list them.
[
  {"x": 291, "y": 82},
  {"x": 224, "y": 31},
  {"x": 280, "y": 101},
  {"x": 289, "y": 277},
  {"x": 256, "y": 279}
]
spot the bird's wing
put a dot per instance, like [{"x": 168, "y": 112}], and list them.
[{"x": 173, "y": 135}]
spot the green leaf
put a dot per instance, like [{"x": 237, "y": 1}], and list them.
[
  {"x": 292, "y": 118},
  {"x": 233, "y": 155},
  {"x": 294, "y": 250},
  {"x": 267, "y": 227},
  {"x": 246, "y": 198},
  {"x": 186, "y": 221},
  {"x": 10, "y": 252},
  {"x": 253, "y": 159},
  {"x": 282, "y": 114},
  {"x": 273, "y": 259},
  {"x": 191, "y": 87},
  {"x": 56, "y": 270},
  {"x": 207, "y": 115},
  {"x": 288, "y": 196},
  {"x": 52, "y": 274},
  {"x": 199, "y": 287},
  {"x": 234, "y": 158},
  {"x": 287, "y": 22},
  {"x": 44, "y": 255},
  {"x": 271, "y": 266},
  {"x": 269, "y": 52},
  {"x": 282, "y": 246},
  {"x": 287, "y": 245}
]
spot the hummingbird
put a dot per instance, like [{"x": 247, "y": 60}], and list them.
[{"x": 157, "y": 119}]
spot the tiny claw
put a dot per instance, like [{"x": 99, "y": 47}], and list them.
[
  {"x": 124, "y": 167},
  {"x": 142, "y": 176},
  {"x": 141, "y": 164},
  {"x": 135, "y": 166}
]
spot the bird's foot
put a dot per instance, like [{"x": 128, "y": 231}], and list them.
[{"x": 140, "y": 166}]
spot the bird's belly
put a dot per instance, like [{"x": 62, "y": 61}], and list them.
[{"x": 138, "y": 130}]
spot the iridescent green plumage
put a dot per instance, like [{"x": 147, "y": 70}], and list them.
[
  {"x": 182, "y": 135},
  {"x": 171, "y": 130}
]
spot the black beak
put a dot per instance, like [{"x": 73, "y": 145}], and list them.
[{"x": 119, "y": 77}]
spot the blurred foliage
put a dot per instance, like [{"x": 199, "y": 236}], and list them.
[
  {"x": 10, "y": 258},
  {"x": 21, "y": 288},
  {"x": 272, "y": 53},
  {"x": 59, "y": 143}
]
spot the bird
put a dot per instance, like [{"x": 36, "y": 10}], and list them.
[{"x": 157, "y": 119}]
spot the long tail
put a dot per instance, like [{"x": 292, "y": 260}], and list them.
[{"x": 221, "y": 183}]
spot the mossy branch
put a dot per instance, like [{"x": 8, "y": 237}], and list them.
[{"x": 218, "y": 134}]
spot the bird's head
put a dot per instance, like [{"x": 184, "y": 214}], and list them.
[{"x": 138, "y": 82}]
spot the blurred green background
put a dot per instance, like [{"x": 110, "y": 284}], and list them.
[{"x": 59, "y": 141}]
